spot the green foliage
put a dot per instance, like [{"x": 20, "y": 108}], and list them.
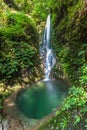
[
  {"x": 19, "y": 49},
  {"x": 83, "y": 73},
  {"x": 3, "y": 95},
  {"x": 68, "y": 34},
  {"x": 36, "y": 9},
  {"x": 69, "y": 40},
  {"x": 71, "y": 113},
  {"x": 19, "y": 46}
]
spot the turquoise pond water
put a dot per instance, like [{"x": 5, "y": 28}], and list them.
[{"x": 42, "y": 98}]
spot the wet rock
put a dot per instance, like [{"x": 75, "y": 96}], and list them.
[
  {"x": 5, "y": 124},
  {"x": 0, "y": 126}
]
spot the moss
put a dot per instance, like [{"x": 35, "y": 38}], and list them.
[
  {"x": 19, "y": 47},
  {"x": 69, "y": 36},
  {"x": 69, "y": 30}
]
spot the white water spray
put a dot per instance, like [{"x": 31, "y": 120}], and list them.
[{"x": 46, "y": 50}]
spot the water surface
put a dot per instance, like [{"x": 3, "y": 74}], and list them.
[{"x": 42, "y": 98}]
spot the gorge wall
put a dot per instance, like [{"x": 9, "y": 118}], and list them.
[{"x": 69, "y": 36}]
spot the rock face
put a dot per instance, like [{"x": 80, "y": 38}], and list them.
[{"x": 4, "y": 125}]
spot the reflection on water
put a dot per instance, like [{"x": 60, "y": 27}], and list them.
[{"x": 42, "y": 98}]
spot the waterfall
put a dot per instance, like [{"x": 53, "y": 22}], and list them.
[{"x": 46, "y": 50}]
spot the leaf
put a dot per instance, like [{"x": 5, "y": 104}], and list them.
[
  {"x": 77, "y": 120},
  {"x": 84, "y": 109},
  {"x": 81, "y": 53}
]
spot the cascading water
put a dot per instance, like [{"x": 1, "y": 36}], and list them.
[
  {"x": 46, "y": 95},
  {"x": 46, "y": 50}
]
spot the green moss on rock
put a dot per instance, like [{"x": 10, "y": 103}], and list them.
[
  {"x": 18, "y": 47},
  {"x": 70, "y": 32}
]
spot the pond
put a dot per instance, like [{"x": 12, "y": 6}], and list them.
[{"x": 42, "y": 98}]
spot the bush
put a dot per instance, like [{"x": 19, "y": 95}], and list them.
[{"x": 18, "y": 46}]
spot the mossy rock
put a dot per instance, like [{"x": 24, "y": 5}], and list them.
[{"x": 19, "y": 46}]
